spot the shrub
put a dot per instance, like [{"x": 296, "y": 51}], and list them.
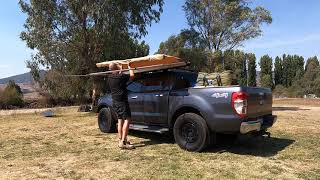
[
  {"x": 279, "y": 91},
  {"x": 11, "y": 96}
]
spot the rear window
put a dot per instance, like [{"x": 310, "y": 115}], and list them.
[{"x": 185, "y": 80}]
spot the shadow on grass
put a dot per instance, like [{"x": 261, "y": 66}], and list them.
[
  {"x": 250, "y": 145},
  {"x": 243, "y": 145},
  {"x": 288, "y": 109},
  {"x": 151, "y": 138}
]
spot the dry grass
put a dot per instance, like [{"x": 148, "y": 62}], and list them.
[
  {"x": 297, "y": 101},
  {"x": 70, "y": 146}
]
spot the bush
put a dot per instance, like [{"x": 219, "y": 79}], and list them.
[
  {"x": 11, "y": 96},
  {"x": 293, "y": 91},
  {"x": 279, "y": 91}
]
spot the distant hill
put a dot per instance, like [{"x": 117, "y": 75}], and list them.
[{"x": 21, "y": 78}]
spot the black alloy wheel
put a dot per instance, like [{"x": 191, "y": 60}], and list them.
[{"x": 191, "y": 132}]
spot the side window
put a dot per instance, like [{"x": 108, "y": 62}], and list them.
[
  {"x": 135, "y": 87},
  {"x": 181, "y": 83},
  {"x": 152, "y": 84},
  {"x": 157, "y": 82}
]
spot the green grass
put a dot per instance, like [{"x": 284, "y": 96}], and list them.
[{"x": 71, "y": 146}]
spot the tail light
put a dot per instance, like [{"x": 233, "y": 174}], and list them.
[{"x": 240, "y": 103}]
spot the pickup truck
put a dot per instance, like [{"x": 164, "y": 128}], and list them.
[{"x": 170, "y": 101}]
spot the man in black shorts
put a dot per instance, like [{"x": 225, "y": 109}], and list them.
[{"x": 118, "y": 86}]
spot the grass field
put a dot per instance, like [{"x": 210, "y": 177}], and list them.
[{"x": 70, "y": 146}]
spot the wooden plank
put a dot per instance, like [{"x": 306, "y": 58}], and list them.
[
  {"x": 142, "y": 61},
  {"x": 126, "y": 61},
  {"x": 137, "y": 70},
  {"x": 160, "y": 67}
]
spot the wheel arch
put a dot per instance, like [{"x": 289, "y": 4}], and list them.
[
  {"x": 183, "y": 110},
  {"x": 102, "y": 106}
]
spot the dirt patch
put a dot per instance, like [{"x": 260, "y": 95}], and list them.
[{"x": 30, "y": 111}]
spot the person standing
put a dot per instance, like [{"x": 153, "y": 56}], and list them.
[{"x": 118, "y": 85}]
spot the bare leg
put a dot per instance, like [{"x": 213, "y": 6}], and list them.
[
  {"x": 125, "y": 129},
  {"x": 120, "y": 125}
]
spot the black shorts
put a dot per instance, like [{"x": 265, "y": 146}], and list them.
[{"x": 122, "y": 109}]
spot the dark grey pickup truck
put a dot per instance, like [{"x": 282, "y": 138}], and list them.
[{"x": 170, "y": 101}]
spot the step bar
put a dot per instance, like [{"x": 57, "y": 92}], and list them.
[{"x": 146, "y": 128}]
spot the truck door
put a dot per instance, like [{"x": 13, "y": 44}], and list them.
[
  {"x": 156, "y": 96},
  {"x": 135, "y": 98}
]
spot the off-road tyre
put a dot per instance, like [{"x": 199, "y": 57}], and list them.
[
  {"x": 191, "y": 132},
  {"x": 106, "y": 121}
]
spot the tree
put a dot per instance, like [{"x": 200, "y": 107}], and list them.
[
  {"x": 225, "y": 24},
  {"x": 310, "y": 80},
  {"x": 172, "y": 46},
  {"x": 240, "y": 69},
  {"x": 266, "y": 71},
  {"x": 12, "y": 85},
  {"x": 252, "y": 70},
  {"x": 278, "y": 72},
  {"x": 312, "y": 63},
  {"x": 188, "y": 46},
  {"x": 316, "y": 88},
  {"x": 266, "y": 81},
  {"x": 291, "y": 70},
  {"x": 236, "y": 61},
  {"x": 298, "y": 68},
  {"x": 229, "y": 60},
  {"x": 71, "y": 36},
  {"x": 288, "y": 69}
]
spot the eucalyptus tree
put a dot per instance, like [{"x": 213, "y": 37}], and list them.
[
  {"x": 225, "y": 24},
  {"x": 70, "y": 36}
]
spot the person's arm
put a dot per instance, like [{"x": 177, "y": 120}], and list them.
[{"x": 131, "y": 72}]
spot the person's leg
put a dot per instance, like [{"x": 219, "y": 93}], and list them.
[
  {"x": 127, "y": 118},
  {"x": 125, "y": 130},
  {"x": 126, "y": 114},
  {"x": 120, "y": 125}
]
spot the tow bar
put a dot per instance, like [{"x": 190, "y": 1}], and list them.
[{"x": 263, "y": 133}]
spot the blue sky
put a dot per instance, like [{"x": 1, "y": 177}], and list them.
[{"x": 295, "y": 30}]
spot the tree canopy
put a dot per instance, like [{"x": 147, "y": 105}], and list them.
[
  {"x": 69, "y": 36},
  {"x": 252, "y": 73},
  {"x": 266, "y": 71},
  {"x": 224, "y": 24},
  {"x": 188, "y": 46}
]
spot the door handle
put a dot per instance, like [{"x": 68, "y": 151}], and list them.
[{"x": 134, "y": 97}]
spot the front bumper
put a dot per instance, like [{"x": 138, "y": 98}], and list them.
[{"x": 257, "y": 125}]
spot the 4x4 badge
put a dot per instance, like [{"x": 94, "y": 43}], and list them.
[{"x": 220, "y": 95}]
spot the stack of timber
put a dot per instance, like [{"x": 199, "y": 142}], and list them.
[{"x": 147, "y": 63}]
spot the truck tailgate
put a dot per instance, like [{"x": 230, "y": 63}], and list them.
[{"x": 259, "y": 101}]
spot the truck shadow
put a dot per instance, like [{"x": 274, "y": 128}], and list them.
[
  {"x": 243, "y": 145},
  {"x": 254, "y": 146},
  {"x": 283, "y": 108},
  {"x": 151, "y": 138}
]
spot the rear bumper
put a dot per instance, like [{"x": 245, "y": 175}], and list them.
[
  {"x": 257, "y": 125},
  {"x": 249, "y": 126}
]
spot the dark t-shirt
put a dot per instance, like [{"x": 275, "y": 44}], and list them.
[{"x": 118, "y": 86}]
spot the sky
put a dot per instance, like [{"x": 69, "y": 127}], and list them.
[{"x": 295, "y": 30}]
